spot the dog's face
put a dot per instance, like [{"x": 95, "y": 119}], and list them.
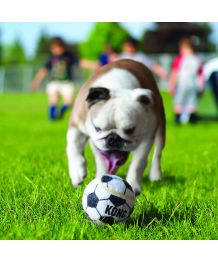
[{"x": 117, "y": 123}]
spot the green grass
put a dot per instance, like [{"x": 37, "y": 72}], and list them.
[{"x": 37, "y": 200}]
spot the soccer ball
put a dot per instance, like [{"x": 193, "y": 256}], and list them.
[{"x": 108, "y": 199}]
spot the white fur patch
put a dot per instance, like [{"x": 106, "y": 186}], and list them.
[
  {"x": 76, "y": 162},
  {"x": 118, "y": 81}
]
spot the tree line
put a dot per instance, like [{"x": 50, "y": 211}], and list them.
[{"x": 161, "y": 38}]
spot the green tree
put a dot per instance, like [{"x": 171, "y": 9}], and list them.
[
  {"x": 43, "y": 48},
  {"x": 14, "y": 53},
  {"x": 164, "y": 37},
  {"x": 103, "y": 33}
]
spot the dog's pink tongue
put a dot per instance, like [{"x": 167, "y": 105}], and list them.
[{"x": 114, "y": 159}]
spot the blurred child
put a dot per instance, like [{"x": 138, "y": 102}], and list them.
[
  {"x": 108, "y": 56},
  {"x": 60, "y": 67},
  {"x": 185, "y": 80},
  {"x": 104, "y": 58},
  {"x": 130, "y": 47}
]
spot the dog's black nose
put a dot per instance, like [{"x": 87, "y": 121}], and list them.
[{"x": 113, "y": 141}]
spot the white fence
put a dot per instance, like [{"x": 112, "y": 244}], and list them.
[{"x": 18, "y": 78}]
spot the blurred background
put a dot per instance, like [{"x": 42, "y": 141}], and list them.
[{"x": 24, "y": 47}]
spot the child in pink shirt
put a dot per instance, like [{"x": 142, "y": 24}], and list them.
[{"x": 185, "y": 81}]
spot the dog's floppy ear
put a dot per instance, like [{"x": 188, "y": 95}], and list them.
[{"x": 97, "y": 94}]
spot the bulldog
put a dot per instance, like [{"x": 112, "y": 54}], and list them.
[{"x": 119, "y": 110}]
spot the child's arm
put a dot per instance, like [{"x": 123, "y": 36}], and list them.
[
  {"x": 174, "y": 74},
  {"x": 172, "y": 81},
  {"x": 160, "y": 71},
  {"x": 89, "y": 64},
  {"x": 38, "y": 79},
  {"x": 201, "y": 83}
]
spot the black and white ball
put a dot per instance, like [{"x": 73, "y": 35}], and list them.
[{"x": 108, "y": 199}]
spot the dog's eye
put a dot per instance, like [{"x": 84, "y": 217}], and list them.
[
  {"x": 129, "y": 131},
  {"x": 97, "y": 129},
  {"x": 97, "y": 94}
]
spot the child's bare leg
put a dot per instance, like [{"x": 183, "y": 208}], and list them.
[
  {"x": 52, "y": 91},
  {"x": 67, "y": 94},
  {"x": 53, "y": 99},
  {"x": 68, "y": 100},
  {"x": 178, "y": 109}
]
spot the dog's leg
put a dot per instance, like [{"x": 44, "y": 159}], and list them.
[
  {"x": 99, "y": 162},
  {"x": 138, "y": 164},
  {"x": 155, "y": 170},
  {"x": 76, "y": 142}
]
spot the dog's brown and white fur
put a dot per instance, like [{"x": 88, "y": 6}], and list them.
[{"x": 120, "y": 110}]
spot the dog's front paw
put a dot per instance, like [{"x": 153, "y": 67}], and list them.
[
  {"x": 155, "y": 174},
  {"x": 77, "y": 170},
  {"x": 135, "y": 186}
]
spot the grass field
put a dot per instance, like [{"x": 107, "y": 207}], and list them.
[{"x": 37, "y": 200}]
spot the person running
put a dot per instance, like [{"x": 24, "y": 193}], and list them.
[
  {"x": 130, "y": 48},
  {"x": 185, "y": 81},
  {"x": 104, "y": 58},
  {"x": 60, "y": 68},
  {"x": 108, "y": 56}
]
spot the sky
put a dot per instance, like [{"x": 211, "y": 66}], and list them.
[{"x": 28, "y": 33}]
